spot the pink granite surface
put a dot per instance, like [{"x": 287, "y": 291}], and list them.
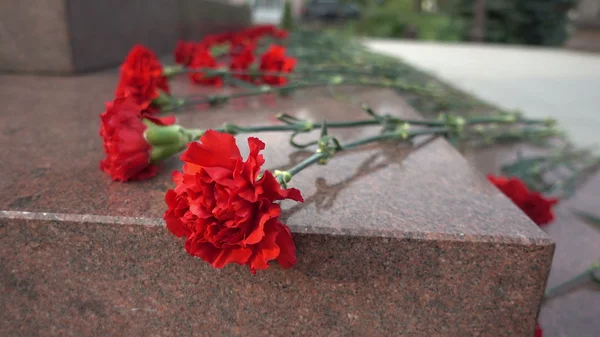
[
  {"x": 575, "y": 312},
  {"x": 392, "y": 240}
]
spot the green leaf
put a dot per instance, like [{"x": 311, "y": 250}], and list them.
[{"x": 589, "y": 218}]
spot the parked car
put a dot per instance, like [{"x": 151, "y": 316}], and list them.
[{"x": 330, "y": 10}]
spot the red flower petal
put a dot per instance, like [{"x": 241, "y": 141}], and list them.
[
  {"x": 538, "y": 330},
  {"x": 287, "y": 249},
  {"x": 273, "y": 191},
  {"x": 537, "y": 208},
  {"x": 215, "y": 149},
  {"x": 268, "y": 249},
  {"x": 225, "y": 213},
  {"x": 141, "y": 76},
  {"x": 258, "y": 233},
  {"x": 170, "y": 120},
  {"x": 174, "y": 223},
  {"x": 126, "y": 149}
]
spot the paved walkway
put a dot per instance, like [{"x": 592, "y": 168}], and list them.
[{"x": 539, "y": 81}]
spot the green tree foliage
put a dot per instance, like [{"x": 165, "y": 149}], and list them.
[
  {"x": 398, "y": 19},
  {"x": 534, "y": 22},
  {"x": 287, "y": 22}
]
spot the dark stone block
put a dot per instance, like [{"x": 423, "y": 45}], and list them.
[
  {"x": 66, "y": 36},
  {"x": 198, "y": 18},
  {"x": 392, "y": 239}
]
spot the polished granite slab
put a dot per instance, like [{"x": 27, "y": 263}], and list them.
[{"x": 392, "y": 239}]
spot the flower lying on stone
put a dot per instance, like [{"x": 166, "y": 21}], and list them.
[
  {"x": 275, "y": 60},
  {"x": 538, "y": 330},
  {"x": 184, "y": 52},
  {"x": 537, "y": 208},
  {"x": 134, "y": 140},
  {"x": 202, "y": 58},
  {"x": 127, "y": 152},
  {"x": 243, "y": 61},
  {"x": 142, "y": 76},
  {"x": 259, "y": 31},
  {"x": 226, "y": 212},
  {"x": 238, "y": 49}
]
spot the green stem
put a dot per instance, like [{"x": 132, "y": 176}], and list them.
[
  {"x": 315, "y": 158},
  {"x": 210, "y": 72},
  {"x": 195, "y": 134},
  {"x": 589, "y": 274},
  {"x": 506, "y": 119},
  {"x": 268, "y": 89},
  {"x": 322, "y": 154},
  {"x": 255, "y": 92}
]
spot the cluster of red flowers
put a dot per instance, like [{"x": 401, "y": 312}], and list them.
[
  {"x": 142, "y": 81},
  {"x": 240, "y": 56},
  {"x": 226, "y": 212},
  {"x": 122, "y": 128},
  {"x": 537, "y": 208}
]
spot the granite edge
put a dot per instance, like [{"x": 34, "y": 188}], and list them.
[{"x": 545, "y": 241}]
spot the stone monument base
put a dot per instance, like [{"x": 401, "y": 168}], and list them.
[
  {"x": 392, "y": 240},
  {"x": 72, "y": 36}
]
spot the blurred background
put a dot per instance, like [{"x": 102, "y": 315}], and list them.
[{"x": 531, "y": 22}]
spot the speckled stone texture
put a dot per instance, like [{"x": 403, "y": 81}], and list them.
[
  {"x": 392, "y": 240},
  {"x": 66, "y": 36},
  {"x": 575, "y": 312}
]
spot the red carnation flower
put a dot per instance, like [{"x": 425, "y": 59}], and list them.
[
  {"x": 538, "y": 330},
  {"x": 215, "y": 39},
  {"x": 127, "y": 151},
  {"x": 227, "y": 213},
  {"x": 184, "y": 52},
  {"x": 239, "y": 44},
  {"x": 280, "y": 34},
  {"x": 203, "y": 59},
  {"x": 142, "y": 76},
  {"x": 259, "y": 31},
  {"x": 538, "y": 208},
  {"x": 274, "y": 60},
  {"x": 243, "y": 61}
]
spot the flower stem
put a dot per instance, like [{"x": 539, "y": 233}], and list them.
[
  {"x": 210, "y": 72},
  {"x": 587, "y": 275},
  {"x": 315, "y": 158},
  {"x": 504, "y": 119},
  {"x": 323, "y": 154}
]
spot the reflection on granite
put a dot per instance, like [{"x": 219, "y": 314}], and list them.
[{"x": 392, "y": 240}]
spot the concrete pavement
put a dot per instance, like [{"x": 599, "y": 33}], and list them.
[{"x": 541, "y": 82}]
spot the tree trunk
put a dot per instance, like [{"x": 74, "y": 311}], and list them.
[
  {"x": 478, "y": 30},
  {"x": 417, "y": 8}
]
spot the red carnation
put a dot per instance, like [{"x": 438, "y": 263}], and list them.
[
  {"x": 142, "y": 76},
  {"x": 127, "y": 152},
  {"x": 243, "y": 61},
  {"x": 538, "y": 208},
  {"x": 184, "y": 52},
  {"x": 259, "y": 31},
  {"x": 274, "y": 60},
  {"x": 215, "y": 39},
  {"x": 226, "y": 213},
  {"x": 538, "y": 330},
  {"x": 203, "y": 59}
]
